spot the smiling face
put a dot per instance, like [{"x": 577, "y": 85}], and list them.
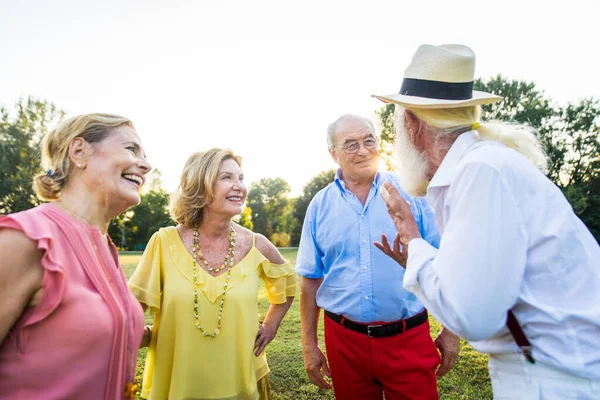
[
  {"x": 116, "y": 168},
  {"x": 229, "y": 190},
  {"x": 363, "y": 163}
]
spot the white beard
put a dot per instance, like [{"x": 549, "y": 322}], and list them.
[{"x": 411, "y": 165}]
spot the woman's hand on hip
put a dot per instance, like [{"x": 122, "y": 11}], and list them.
[{"x": 263, "y": 338}]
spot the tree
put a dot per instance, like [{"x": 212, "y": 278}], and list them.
[
  {"x": 579, "y": 176},
  {"x": 20, "y": 138},
  {"x": 142, "y": 221},
  {"x": 267, "y": 199},
  {"x": 245, "y": 219},
  {"x": 569, "y": 135},
  {"x": 309, "y": 191},
  {"x": 523, "y": 103},
  {"x": 387, "y": 135}
]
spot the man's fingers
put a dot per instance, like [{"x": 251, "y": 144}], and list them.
[
  {"x": 444, "y": 367},
  {"x": 384, "y": 246},
  {"x": 316, "y": 378},
  {"x": 392, "y": 194},
  {"x": 397, "y": 248},
  {"x": 385, "y": 194},
  {"x": 384, "y": 240},
  {"x": 396, "y": 204},
  {"x": 326, "y": 369}
]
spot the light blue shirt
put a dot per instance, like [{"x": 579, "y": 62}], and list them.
[{"x": 360, "y": 281}]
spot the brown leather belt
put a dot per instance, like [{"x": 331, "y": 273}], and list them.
[{"x": 380, "y": 330}]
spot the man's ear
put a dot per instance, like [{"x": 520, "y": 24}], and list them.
[
  {"x": 79, "y": 151},
  {"x": 413, "y": 125},
  {"x": 334, "y": 155}
]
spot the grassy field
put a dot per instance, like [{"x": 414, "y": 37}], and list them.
[{"x": 468, "y": 380}]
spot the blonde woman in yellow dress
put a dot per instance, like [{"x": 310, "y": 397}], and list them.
[{"x": 201, "y": 279}]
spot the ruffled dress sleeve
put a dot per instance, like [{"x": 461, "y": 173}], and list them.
[
  {"x": 280, "y": 281},
  {"x": 146, "y": 283},
  {"x": 38, "y": 228}
]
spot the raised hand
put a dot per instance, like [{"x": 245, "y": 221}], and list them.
[
  {"x": 400, "y": 212},
  {"x": 397, "y": 252}
]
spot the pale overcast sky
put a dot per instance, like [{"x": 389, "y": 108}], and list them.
[{"x": 266, "y": 78}]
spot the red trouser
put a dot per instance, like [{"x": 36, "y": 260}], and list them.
[{"x": 401, "y": 366}]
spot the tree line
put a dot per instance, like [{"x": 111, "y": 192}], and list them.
[{"x": 569, "y": 134}]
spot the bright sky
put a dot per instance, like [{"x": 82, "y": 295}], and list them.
[{"x": 266, "y": 78}]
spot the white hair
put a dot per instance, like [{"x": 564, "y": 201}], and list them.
[
  {"x": 339, "y": 123},
  {"x": 446, "y": 124}
]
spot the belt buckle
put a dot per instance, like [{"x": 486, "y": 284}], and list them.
[{"x": 369, "y": 329}]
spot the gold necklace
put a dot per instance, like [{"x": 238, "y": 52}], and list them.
[{"x": 228, "y": 263}]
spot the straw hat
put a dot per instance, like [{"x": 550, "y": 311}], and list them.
[{"x": 440, "y": 77}]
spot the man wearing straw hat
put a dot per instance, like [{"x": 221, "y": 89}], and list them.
[{"x": 517, "y": 273}]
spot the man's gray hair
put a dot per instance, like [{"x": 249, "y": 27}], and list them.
[{"x": 339, "y": 123}]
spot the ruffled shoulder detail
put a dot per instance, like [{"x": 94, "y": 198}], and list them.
[
  {"x": 37, "y": 226},
  {"x": 270, "y": 270},
  {"x": 146, "y": 283},
  {"x": 280, "y": 280}
]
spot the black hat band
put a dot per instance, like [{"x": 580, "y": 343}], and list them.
[{"x": 436, "y": 89}]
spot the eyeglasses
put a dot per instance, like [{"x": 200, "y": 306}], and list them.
[{"x": 352, "y": 147}]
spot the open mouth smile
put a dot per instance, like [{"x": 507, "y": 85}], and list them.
[{"x": 135, "y": 179}]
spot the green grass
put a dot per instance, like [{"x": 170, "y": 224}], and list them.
[{"x": 468, "y": 380}]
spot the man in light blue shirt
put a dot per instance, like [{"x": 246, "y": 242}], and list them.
[{"x": 376, "y": 333}]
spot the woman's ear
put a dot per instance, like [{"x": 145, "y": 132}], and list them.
[{"x": 79, "y": 150}]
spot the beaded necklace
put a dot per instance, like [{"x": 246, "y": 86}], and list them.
[{"x": 228, "y": 263}]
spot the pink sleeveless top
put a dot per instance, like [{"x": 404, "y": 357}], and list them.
[{"x": 81, "y": 340}]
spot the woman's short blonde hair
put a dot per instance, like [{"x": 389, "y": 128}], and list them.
[
  {"x": 196, "y": 185},
  {"x": 56, "y": 163}
]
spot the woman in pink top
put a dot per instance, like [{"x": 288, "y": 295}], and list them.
[{"x": 69, "y": 327}]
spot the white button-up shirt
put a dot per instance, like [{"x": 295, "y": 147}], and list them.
[{"x": 510, "y": 240}]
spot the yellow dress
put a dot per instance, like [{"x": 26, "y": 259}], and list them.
[{"x": 183, "y": 364}]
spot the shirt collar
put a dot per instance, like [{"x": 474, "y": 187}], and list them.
[
  {"x": 340, "y": 183},
  {"x": 445, "y": 173}
]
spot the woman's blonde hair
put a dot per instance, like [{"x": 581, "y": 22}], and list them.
[
  {"x": 195, "y": 189},
  {"x": 448, "y": 121},
  {"x": 56, "y": 163}
]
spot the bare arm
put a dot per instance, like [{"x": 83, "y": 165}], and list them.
[
  {"x": 314, "y": 359},
  {"x": 21, "y": 276},
  {"x": 268, "y": 329}
]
